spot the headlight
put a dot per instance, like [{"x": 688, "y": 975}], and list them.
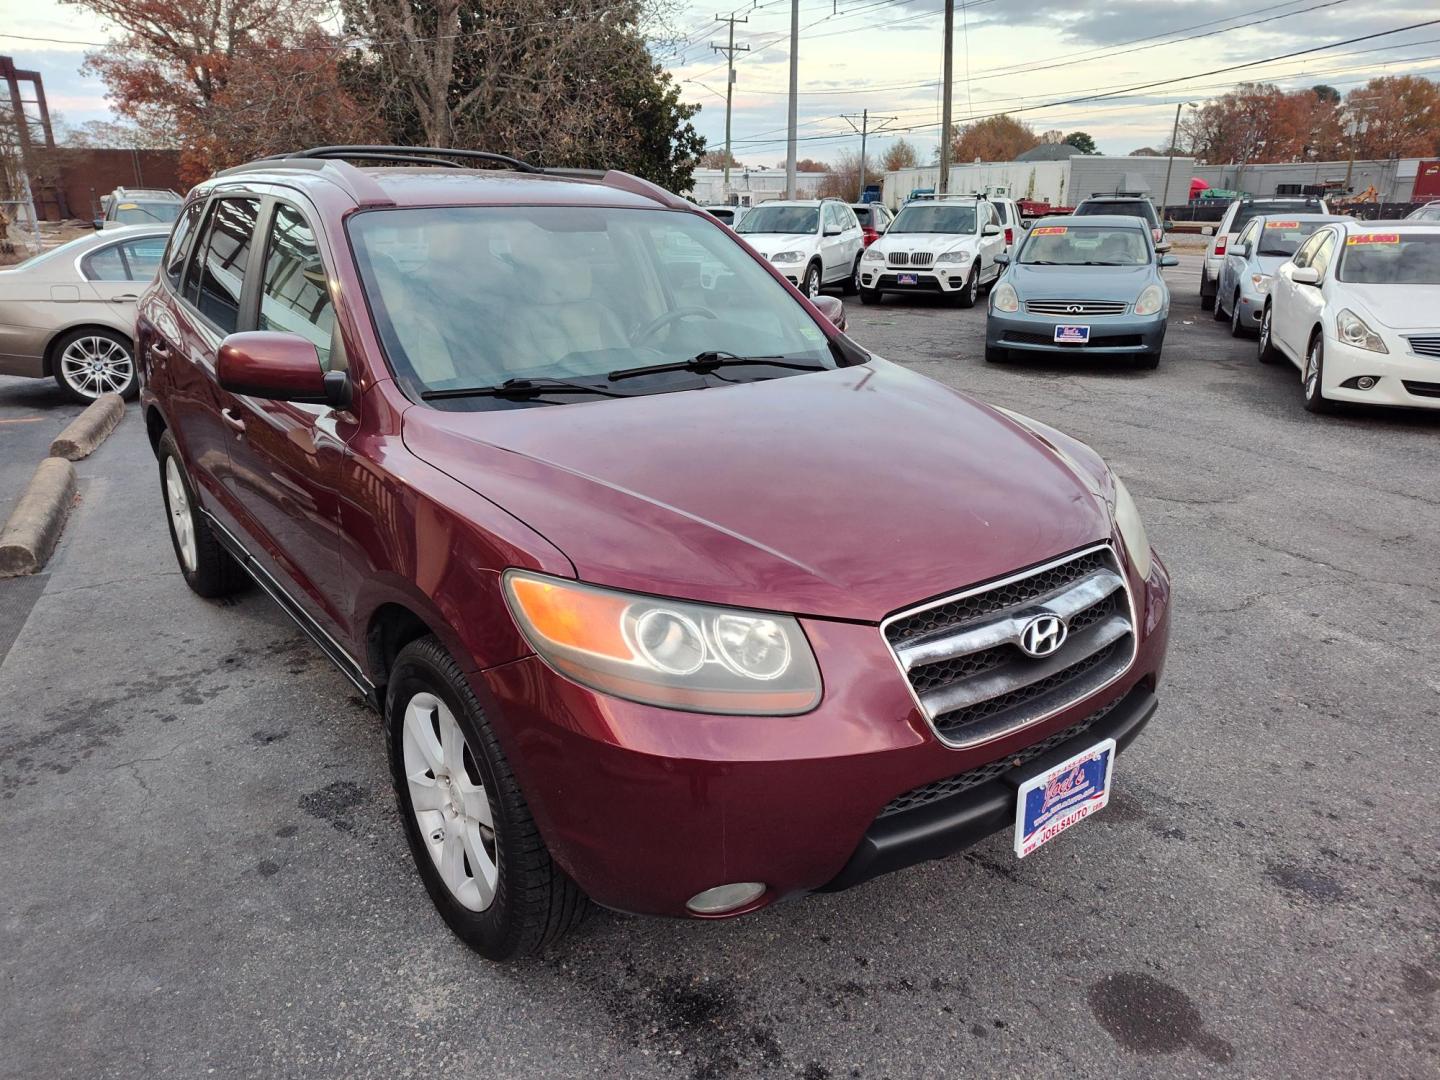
[
  {"x": 788, "y": 257},
  {"x": 958, "y": 256},
  {"x": 670, "y": 653},
  {"x": 1152, "y": 299},
  {"x": 1352, "y": 330},
  {"x": 1003, "y": 298},
  {"x": 1132, "y": 530},
  {"x": 1261, "y": 282},
  {"x": 872, "y": 254}
]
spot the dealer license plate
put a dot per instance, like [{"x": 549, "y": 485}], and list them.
[
  {"x": 1072, "y": 335},
  {"x": 1063, "y": 796},
  {"x": 906, "y": 279}
]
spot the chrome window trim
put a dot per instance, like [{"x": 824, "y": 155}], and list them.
[{"x": 967, "y": 744}]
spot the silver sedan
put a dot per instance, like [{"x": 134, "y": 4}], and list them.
[{"x": 68, "y": 313}]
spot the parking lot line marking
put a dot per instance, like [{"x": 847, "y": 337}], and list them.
[{"x": 22, "y": 420}]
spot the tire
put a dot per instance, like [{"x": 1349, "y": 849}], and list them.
[
  {"x": 1237, "y": 328},
  {"x": 1207, "y": 298},
  {"x": 870, "y": 296},
  {"x": 1148, "y": 361},
  {"x": 994, "y": 354},
  {"x": 810, "y": 283},
  {"x": 1218, "y": 312},
  {"x": 852, "y": 283},
  {"x": 1312, "y": 380},
  {"x": 89, "y": 363},
  {"x": 207, "y": 568},
  {"x": 967, "y": 296},
  {"x": 513, "y": 900},
  {"x": 1266, "y": 349}
]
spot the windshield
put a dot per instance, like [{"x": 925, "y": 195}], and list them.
[
  {"x": 473, "y": 296},
  {"x": 1131, "y": 208},
  {"x": 1391, "y": 259},
  {"x": 137, "y": 213},
  {"x": 1281, "y": 237},
  {"x": 1085, "y": 245},
  {"x": 780, "y": 219},
  {"x": 934, "y": 218}
]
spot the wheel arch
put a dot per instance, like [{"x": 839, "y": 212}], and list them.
[
  {"x": 392, "y": 626},
  {"x": 155, "y": 426}
]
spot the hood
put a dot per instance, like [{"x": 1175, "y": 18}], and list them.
[
  {"x": 1400, "y": 307},
  {"x": 1081, "y": 282},
  {"x": 847, "y": 493},
  {"x": 934, "y": 242},
  {"x": 768, "y": 244}
]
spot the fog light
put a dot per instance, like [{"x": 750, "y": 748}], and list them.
[
  {"x": 1365, "y": 382},
  {"x": 724, "y": 898}
]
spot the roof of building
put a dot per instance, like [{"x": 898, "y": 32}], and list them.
[{"x": 1049, "y": 152}]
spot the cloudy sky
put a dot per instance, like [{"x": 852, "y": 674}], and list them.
[{"x": 1019, "y": 56}]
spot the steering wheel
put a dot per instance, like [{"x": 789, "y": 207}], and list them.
[{"x": 654, "y": 326}]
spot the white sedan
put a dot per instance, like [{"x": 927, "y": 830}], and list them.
[{"x": 1357, "y": 310}]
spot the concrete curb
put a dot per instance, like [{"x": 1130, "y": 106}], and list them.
[
  {"x": 34, "y": 527},
  {"x": 88, "y": 430}
]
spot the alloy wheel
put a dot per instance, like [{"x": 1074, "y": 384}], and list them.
[
  {"x": 1235, "y": 318},
  {"x": 182, "y": 524},
  {"x": 974, "y": 284},
  {"x": 95, "y": 365},
  {"x": 449, "y": 801},
  {"x": 1312, "y": 372},
  {"x": 812, "y": 284}
]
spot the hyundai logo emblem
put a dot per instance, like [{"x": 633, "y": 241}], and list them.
[{"x": 1043, "y": 635}]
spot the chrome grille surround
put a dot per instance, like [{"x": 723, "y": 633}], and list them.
[
  {"x": 960, "y": 653},
  {"x": 910, "y": 258},
  {"x": 1424, "y": 344},
  {"x": 1075, "y": 307}
]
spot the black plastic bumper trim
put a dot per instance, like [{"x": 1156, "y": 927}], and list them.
[{"x": 942, "y": 828}]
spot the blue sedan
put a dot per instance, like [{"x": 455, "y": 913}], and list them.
[{"x": 1087, "y": 285}]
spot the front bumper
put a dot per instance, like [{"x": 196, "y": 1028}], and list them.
[
  {"x": 1109, "y": 334},
  {"x": 646, "y": 807},
  {"x": 946, "y": 278},
  {"x": 1403, "y": 378}
]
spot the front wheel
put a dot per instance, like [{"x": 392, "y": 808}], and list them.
[
  {"x": 810, "y": 284},
  {"x": 207, "y": 568},
  {"x": 89, "y": 363},
  {"x": 870, "y": 296},
  {"x": 1267, "y": 351},
  {"x": 994, "y": 354},
  {"x": 1237, "y": 327},
  {"x": 470, "y": 831},
  {"x": 967, "y": 296},
  {"x": 1148, "y": 361},
  {"x": 1314, "y": 384}
]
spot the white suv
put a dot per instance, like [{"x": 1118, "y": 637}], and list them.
[
  {"x": 945, "y": 245},
  {"x": 813, "y": 242},
  {"x": 1237, "y": 216},
  {"x": 1355, "y": 310}
]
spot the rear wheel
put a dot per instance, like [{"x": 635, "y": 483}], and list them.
[
  {"x": 470, "y": 831},
  {"x": 1267, "y": 351},
  {"x": 89, "y": 363},
  {"x": 207, "y": 568},
  {"x": 1313, "y": 386},
  {"x": 967, "y": 296},
  {"x": 852, "y": 283},
  {"x": 1207, "y": 297}
]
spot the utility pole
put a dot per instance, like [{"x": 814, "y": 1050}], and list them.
[
  {"x": 1174, "y": 134},
  {"x": 1356, "y": 126},
  {"x": 729, "y": 51},
  {"x": 864, "y": 130},
  {"x": 944, "y": 185},
  {"x": 794, "y": 96}
]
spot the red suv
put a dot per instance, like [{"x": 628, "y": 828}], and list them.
[{"x": 564, "y": 478}]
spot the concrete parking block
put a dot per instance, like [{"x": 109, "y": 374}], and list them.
[
  {"x": 88, "y": 430},
  {"x": 30, "y": 534}
]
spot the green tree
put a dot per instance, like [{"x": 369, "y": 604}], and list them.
[{"x": 1082, "y": 141}]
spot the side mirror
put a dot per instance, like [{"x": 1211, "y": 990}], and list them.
[
  {"x": 1305, "y": 275},
  {"x": 832, "y": 230},
  {"x": 1002, "y": 259},
  {"x": 990, "y": 230},
  {"x": 832, "y": 309},
  {"x": 1169, "y": 260},
  {"x": 99, "y": 224},
  {"x": 1208, "y": 230},
  {"x": 1025, "y": 223},
  {"x": 280, "y": 366},
  {"x": 1163, "y": 246}
]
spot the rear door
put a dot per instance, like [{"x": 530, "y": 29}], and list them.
[
  {"x": 989, "y": 246},
  {"x": 832, "y": 242},
  {"x": 285, "y": 457}
]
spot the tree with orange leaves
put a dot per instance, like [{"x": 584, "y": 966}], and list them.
[{"x": 995, "y": 138}]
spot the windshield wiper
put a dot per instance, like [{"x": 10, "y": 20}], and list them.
[
  {"x": 706, "y": 362},
  {"x": 518, "y": 389}
]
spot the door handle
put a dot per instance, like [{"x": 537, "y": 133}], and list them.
[
  {"x": 233, "y": 420},
  {"x": 159, "y": 348},
  {"x": 127, "y": 298}
]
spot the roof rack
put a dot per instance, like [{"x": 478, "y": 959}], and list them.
[
  {"x": 1119, "y": 195},
  {"x": 427, "y": 155}
]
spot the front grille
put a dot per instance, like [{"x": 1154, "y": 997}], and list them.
[
  {"x": 1425, "y": 346},
  {"x": 963, "y": 659},
  {"x": 1422, "y": 389},
  {"x": 911, "y": 258},
  {"x": 1075, "y": 307},
  {"x": 983, "y": 774}
]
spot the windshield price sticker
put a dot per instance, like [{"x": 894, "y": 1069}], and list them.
[
  {"x": 1049, "y": 230},
  {"x": 1386, "y": 238},
  {"x": 1282, "y": 224}
]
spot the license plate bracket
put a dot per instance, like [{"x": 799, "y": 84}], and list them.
[
  {"x": 1069, "y": 334},
  {"x": 907, "y": 279},
  {"x": 1063, "y": 795}
]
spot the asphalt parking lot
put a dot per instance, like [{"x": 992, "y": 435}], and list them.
[{"x": 204, "y": 873}]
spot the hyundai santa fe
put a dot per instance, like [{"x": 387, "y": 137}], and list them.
[{"x": 560, "y": 473}]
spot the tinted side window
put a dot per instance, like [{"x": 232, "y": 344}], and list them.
[
  {"x": 294, "y": 295},
  {"x": 105, "y": 264},
  {"x": 1307, "y": 249},
  {"x": 1320, "y": 259},
  {"x": 1001, "y": 212},
  {"x": 220, "y": 273},
  {"x": 175, "y": 253},
  {"x": 143, "y": 257}
]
